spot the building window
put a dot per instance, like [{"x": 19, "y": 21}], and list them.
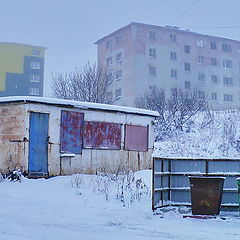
[
  {"x": 152, "y": 52},
  {"x": 36, "y": 52},
  {"x": 34, "y": 78},
  {"x": 35, "y": 65},
  {"x": 228, "y": 81},
  {"x": 214, "y": 78},
  {"x": 109, "y": 61},
  {"x": 173, "y": 38},
  {"x": 200, "y": 59},
  {"x": 226, "y": 47},
  {"x": 187, "y": 67},
  {"x": 214, "y": 96},
  {"x": 228, "y": 97},
  {"x": 187, "y": 49},
  {"x": 152, "y": 71},
  {"x": 201, "y": 95},
  {"x": 119, "y": 75},
  {"x": 109, "y": 77},
  {"x": 119, "y": 57},
  {"x": 199, "y": 43},
  {"x": 213, "y": 61},
  {"x": 152, "y": 35},
  {"x": 173, "y": 56},
  {"x": 118, "y": 39},
  {"x": 152, "y": 88},
  {"x": 227, "y": 64},
  {"x": 109, "y": 97},
  {"x": 108, "y": 44},
  {"x": 187, "y": 85},
  {"x": 173, "y": 91},
  {"x": 34, "y": 91},
  {"x": 118, "y": 93},
  {"x": 174, "y": 73},
  {"x": 201, "y": 76},
  {"x": 213, "y": 45}
]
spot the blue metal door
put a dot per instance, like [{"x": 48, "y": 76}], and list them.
[{"x": 38, "y": 144}]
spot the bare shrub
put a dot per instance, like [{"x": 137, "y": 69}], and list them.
[
  {"x": 229, "y": 137},
  {"x": 130, "y": 189},
  {"x": 175, "y": 112},
  {"x": 1, "y": 177},
  {"x": 122, "y": 183},
  {"x": 77, "y": 182}
]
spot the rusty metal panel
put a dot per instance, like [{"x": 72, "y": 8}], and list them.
[
  {"x": 136, "y": 137},
  {"x": 71, "y": 135},
  {"x": 102, "y": 135}
]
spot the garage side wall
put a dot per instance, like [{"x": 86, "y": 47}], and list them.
[{"x": 13, "y": 141}]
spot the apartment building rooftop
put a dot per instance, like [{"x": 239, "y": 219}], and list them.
[
  {"x": 22, "y": 44},
  {"x": 167, "y": 28}
]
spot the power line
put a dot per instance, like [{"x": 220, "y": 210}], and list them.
[{"x": 186, "y": 11}]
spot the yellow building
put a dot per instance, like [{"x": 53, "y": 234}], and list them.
[{"x": 21, "y": 69}]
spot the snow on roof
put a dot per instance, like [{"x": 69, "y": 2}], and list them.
[{"x": 78, "y": 104}]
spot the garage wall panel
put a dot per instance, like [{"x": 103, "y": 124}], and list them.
[{"x": 102, "y": 135}]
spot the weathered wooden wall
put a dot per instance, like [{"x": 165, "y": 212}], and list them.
[{"x": 13, "y": 145}]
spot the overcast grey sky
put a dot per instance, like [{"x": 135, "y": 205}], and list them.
[{"x": 69, "y": 28}]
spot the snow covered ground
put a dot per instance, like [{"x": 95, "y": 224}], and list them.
[
  {"x": 55, "y": 208},
  {"x": 209, "y": 136}
]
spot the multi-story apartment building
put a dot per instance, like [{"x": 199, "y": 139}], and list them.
[
  {"x": 21, "y": 69},
  {"x": 139, "y": 57}
]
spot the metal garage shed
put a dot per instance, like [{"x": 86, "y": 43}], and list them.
[{"x": 47, "y": 137}]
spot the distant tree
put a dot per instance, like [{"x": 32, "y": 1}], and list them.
[
  {"x": 88, "y": 83},
  {"x": 175, "y": 111}
]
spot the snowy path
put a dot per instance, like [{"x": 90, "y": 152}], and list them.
[{"x": 50, "y": 209}]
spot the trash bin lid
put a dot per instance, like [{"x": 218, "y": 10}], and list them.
[{"x": 208, "y": 177}]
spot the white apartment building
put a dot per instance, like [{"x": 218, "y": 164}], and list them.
[{"x": 139, "y": 57}]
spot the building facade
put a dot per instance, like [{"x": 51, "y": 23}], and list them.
[
  {"x": 140, "y": 57},
  {"x": 21, "y": 69}
]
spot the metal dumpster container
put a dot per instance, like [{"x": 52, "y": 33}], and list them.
[{"x": 206, "y": 195}]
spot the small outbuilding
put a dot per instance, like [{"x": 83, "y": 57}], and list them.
[{"x": 48, "y": 137}]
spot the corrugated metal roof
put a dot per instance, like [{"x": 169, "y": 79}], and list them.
[{"x": 78, "y": 104}]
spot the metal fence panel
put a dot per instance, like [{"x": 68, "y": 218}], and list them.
[
  {"x": 180, "y": 197},
  {"x": 185, "y": 166},
  {"x": 158, "y": 181},
  {"x": 230, "y": 167},
  {"x": 157, "y": 165},
  {"x": 230, "y": 198},
  {"x": 179, "y": 181},
  {"x": 171, "y": 179}
]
